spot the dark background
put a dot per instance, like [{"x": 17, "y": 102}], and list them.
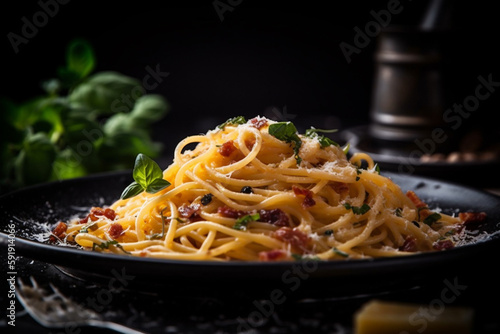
[{"x": 262, "y": 55}]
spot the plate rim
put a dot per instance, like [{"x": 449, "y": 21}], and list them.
[{"x": 25, "y": 243}]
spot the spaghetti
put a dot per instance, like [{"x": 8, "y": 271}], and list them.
[{"x": 259, "y": 191}]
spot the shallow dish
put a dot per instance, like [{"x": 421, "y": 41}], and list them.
[{"x": 35, "y": 209}]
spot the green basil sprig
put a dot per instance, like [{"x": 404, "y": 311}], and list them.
[
  {"x": 287, "y": 132},
  {"x": 148, "y": 177}
]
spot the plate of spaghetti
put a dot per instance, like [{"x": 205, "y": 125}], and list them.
[{"x": 252, "y": 199}]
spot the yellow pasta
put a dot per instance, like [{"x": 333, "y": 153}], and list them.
[{"x": 246, "y": 193}]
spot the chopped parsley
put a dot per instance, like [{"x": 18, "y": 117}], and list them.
[
  {"x": 242, "y": 222},
  {"x": 159, "y": 235},
  {"x": 106, "y": 244},
  {"x": 232, "y": 121},
  {"x": 432, "y": 218},
  {"x": 91, "y": 226},
  {"x": 359, "y": 210},
  {"x": 323, "y": 141},
  {"x": 339, "y": 252}
]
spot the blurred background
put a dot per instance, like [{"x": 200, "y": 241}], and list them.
[{"x": 295, "y": 61}]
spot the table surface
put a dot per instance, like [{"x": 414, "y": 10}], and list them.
[{"x": 170, "y": 311}]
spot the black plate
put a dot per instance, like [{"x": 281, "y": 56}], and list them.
[{"x": 29, "y": 209}]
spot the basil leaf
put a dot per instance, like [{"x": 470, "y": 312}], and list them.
[
  {"x": 132, "y": 190},
  {"x": 148, "y": 177},
  {"x": 116, "y": 150},
  {"x": 80, "y": 58},
  {"x": 148, "y": 109},
  {"x": 68, "y": 165},
  {"x": 287, "y": 132},
  {"x": 157, "y": 185},
  {"x": 34, "y": 162},
  {"x": 146, "y": 170},
  {"x": 104, "y": 92},
  {"x": 119, "y": 123}
]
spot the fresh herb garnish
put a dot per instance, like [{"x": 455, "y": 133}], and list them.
[
  {"x": 232, "y": 121},
  {"x": 432, "y": 218},
  {"x": 106, "y": 244},
  {"x": 287, "y": 132},
  {"x": 91, "y": 226},
  {"x": 339, "y": 252},
  {"x": 359, "y": 210},
  {"x": 323, "y": 141},
  {"x": 346, "y": 148},
  {"x": 241, "y": 223},
  {"x": 148, "y": 177},
  {"x": 162, "y": 234}
]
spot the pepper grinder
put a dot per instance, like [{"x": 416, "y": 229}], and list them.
[
  {"x": 409, "y": 95},
  {"x": 409, "y": 98}
]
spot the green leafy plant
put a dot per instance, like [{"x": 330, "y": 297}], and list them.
[
  {"x": 148, "y": 177},
  {"x": 82, "y": 124}
]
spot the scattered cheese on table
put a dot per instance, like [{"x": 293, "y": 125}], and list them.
[{"x": 384, "y": 317}]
